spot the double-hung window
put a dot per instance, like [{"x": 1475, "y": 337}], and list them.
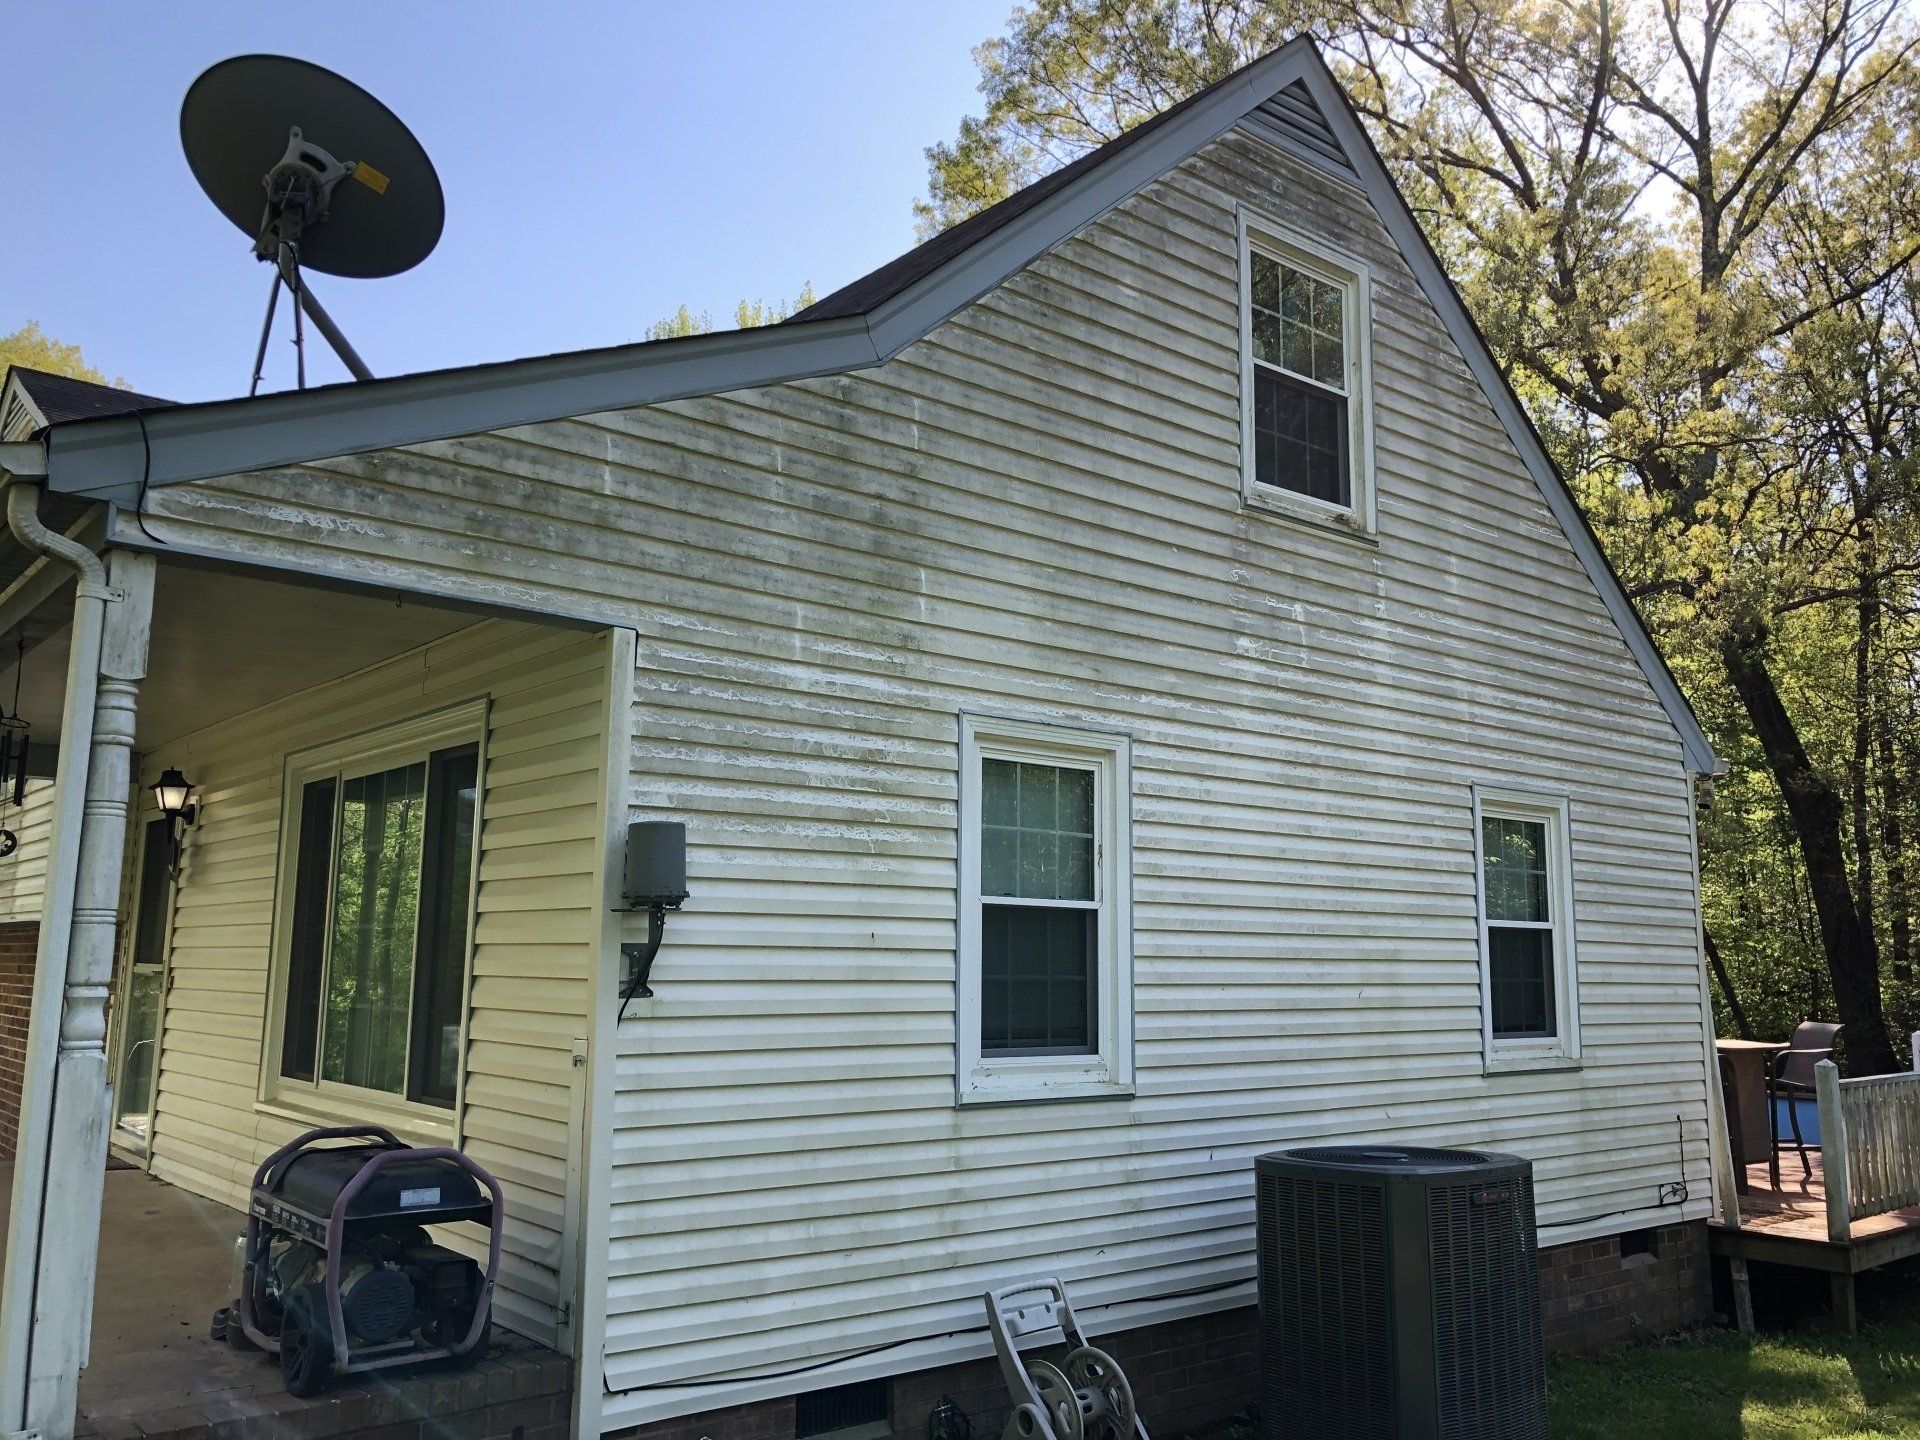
[
  {"x": 1306, "y": 363},
  {"x": 1528, "y": 981},
  {"x": 1045, "y": 965},
  {"x": 379, "y": 842}
]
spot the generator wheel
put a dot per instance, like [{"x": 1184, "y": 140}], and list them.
[{"x": 306, "y": 1342}]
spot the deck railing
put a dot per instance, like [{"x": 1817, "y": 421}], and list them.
[{"x": 1869, "y": 1144}]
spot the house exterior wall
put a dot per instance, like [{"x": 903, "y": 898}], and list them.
[
  {"x": 1608, "y": 1291},
  {"x": 1036, "y": 512},
  {"x": 1194, "y": 1374},
  {"x": 535, "y": 929},
  {"x": 22, "y": 879},
  {"x": 18, "y": 940},
  {"x": 23, "y": 874}
]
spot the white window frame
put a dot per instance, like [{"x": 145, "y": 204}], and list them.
[
  {"x": 333, "y": 1101},
  {"x": 1001, "y": 1079},
  {"x": 1562, "y": 1049},
  {"x": 1335, "y": 267}
]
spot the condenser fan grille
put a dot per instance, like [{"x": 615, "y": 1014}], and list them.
[
  {"x": 1486, "y": 1310},
  {"x": 1323, "y": 1266},
  {"x": 1388, "y": 1157}
]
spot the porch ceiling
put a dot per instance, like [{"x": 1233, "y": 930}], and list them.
[{"x": 225, "y": 642}]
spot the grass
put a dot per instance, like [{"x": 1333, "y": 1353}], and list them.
[{"x": 1795, "y": 1381}]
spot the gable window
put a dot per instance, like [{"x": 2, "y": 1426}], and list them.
[
  {"x": 1306, "y": 361},
  {"x": 1045, "y": 965},
  {"x": 1526, "y": 929},
  {"x": 378, "y": 855}
]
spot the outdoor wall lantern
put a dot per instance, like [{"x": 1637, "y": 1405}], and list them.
[
  {"x": 654, "y": 880},
  {"x": 173, "y": 792}
]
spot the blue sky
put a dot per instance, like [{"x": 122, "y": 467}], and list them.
[{"x": 603, "y": 163}]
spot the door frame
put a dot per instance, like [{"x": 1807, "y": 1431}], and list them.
[{"x": 143, "y": 815}]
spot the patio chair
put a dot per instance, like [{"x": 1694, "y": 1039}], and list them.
[{"x": 1790, "y": 1078}]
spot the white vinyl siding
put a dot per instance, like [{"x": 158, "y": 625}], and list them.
[
  {"x": 534, "y": 937},
  {"x": 23, "y": 874},
  {"x": 1038, "y": 511}
]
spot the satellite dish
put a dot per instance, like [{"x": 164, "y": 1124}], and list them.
[{"x": 320, "y": 174}]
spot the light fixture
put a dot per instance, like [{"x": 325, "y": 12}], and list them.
[
  {"x": 654, "y": 880},
  {"x": 173, "y": 792}
]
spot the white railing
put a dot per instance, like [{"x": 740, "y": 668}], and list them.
[{"x": 1869, "y": 1144}]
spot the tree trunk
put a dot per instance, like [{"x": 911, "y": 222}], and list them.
[
  {"x": 1818, "y": 818},
  {"x": 1859, "y": 777},
  {"x": 1740, "y": 1021}
]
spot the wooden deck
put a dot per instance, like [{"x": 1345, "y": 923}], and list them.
[{"x": 1788, "y": 1226}]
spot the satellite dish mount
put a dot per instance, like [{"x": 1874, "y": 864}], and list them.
[
  {"x": 298, "y": 190},
  {"x": 245, "y": 125}
]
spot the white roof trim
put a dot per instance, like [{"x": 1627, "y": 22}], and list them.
[
  {"x": 19, "y": 416},
  {"x": 115, "y": 458}
]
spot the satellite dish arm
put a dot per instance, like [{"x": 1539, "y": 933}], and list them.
[{"x": 323, "y": 322}]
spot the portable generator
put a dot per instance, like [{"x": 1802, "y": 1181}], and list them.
[{"x": 337, "y": 1273}]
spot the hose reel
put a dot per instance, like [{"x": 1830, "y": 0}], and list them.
[{"x": 1084, "y": 1397}]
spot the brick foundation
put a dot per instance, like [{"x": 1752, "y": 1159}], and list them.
[
  {"x": 1595, "y": 1294},
  {"x": 1185, "y": 1374},
  {"x": 1189, "y": 1374},
  {"x": 17, "y": 942}
]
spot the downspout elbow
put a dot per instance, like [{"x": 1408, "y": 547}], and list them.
[{"x": 23, "y": 519}]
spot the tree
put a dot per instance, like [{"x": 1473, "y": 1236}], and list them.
[
  {"x": 1633, "y": 207},
  {"x": 33, "y": 349},
  {"x": 747, "y": 315},
  {"x": 1073, "y": 74}
]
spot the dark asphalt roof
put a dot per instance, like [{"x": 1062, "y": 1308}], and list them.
[
  {"x": 878, "y": 286},
  {"x": 61, "y": 397}
]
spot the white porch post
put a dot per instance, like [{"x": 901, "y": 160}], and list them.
[{"x": 57, "y": 1258}]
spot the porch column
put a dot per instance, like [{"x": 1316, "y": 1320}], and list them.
[{"x": 76, "y": 1153}]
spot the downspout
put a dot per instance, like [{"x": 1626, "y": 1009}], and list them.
[{"x": 19, "y": 1300}]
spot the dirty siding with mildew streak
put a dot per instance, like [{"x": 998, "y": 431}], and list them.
[{"x": 1036, "y": 512}]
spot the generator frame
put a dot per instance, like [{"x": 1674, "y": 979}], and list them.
[{"x": 268, "y": 1211}]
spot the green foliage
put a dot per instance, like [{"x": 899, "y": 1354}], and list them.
[
  {"x": 30, "y": 347},
  {"x": 747, "y": 315},
  {"x": 681, "y": 323},
  {"x": 1072, "y": 74}
]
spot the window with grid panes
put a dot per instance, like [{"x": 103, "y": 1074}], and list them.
[
  {"x": 1520, "y": 924},
  {"x": 1044, "y": 1005},
  {"x": 1301, "y": 428}
]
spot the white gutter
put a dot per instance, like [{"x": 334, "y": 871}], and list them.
[{"x": 19, "y": 1297}]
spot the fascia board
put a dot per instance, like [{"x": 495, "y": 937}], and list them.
[
  {"x": 115, "y": 458},
  {"x": 909, "y": 316}
]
